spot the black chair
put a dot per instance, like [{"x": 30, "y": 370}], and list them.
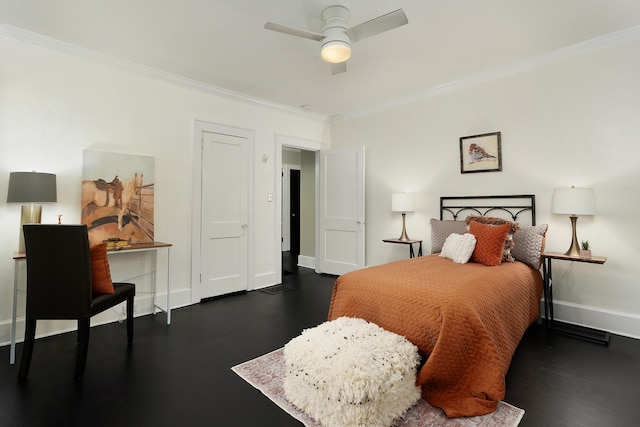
[{"x": 59, "y": 287}]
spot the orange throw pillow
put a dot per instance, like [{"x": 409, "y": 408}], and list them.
[
  {"x": 100, "y": 273},
  {"x": 489, "y": 242}
]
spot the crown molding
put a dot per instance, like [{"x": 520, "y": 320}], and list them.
[
  {"x": 57, "y": 45},
  {"x": 582, "y": 48}
]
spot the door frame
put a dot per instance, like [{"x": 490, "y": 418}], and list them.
[
  {"x": 303, "y": 144},
  {"x": 199, "y": 127}
]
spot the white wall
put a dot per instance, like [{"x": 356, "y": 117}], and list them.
[
  {"x": 572, "y": 122},
  {"x": 54, "y": 105}
]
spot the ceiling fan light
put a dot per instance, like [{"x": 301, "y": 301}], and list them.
[{"x": 336, "y": 51}]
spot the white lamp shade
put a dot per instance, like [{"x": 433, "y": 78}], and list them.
[
  {"x": 402, "y": 202},
  {"x": 574, "y": 201}
]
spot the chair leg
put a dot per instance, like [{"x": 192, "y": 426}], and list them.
[
  {"x": 83, "y": 346},
  {"x": 130, "y": 320},
  {"x": 27, "y": 348}
]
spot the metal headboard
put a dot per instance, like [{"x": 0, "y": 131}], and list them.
[{"x": 518, "y": 208}]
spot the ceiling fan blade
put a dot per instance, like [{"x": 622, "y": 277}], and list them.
[
  {"x": 340, "y": 67},
  {"x": 378, "y": 25},
  {"x": 293, "y": 31}
]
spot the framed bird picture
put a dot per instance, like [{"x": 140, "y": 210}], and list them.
[{"x": 480, "y": 153}]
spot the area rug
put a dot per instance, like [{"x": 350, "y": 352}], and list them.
[{"x": 266, "y": 373}]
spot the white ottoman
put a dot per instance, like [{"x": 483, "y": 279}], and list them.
[{"x": 349, "y": 372}]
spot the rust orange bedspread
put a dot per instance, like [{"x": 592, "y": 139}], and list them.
[{"x": 467, "y": 321}]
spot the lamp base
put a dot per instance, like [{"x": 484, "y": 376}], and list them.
[
  {"x": 574, "y": 249},
  {"x": 403, "y": 237},
  {"x": 30, "y": 214}
]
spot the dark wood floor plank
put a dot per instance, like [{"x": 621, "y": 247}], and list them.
[{"x": 180, "y": 374}]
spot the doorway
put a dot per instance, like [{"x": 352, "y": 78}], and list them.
[
  {"x": 331, "y": 208},
  {"x": 291, "y": 208},
  {"x": 298, "y": 205},
  {"x": 291, "y": 234},
  {"x": 294, "y": 212}
]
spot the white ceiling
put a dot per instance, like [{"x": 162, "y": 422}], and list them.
[{"x": 222, "y": 43}]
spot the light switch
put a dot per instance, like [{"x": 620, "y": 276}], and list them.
[{"x": 270, "y": 197}]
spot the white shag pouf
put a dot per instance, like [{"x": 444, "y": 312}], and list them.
[{"x": 349, "y": 372}]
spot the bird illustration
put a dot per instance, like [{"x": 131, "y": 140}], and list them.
[{"x": 477, "y": 153}]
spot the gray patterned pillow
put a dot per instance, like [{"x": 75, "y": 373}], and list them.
[
  {"x": 529, "y": 245},
  {"x": 440, "y": 230}
]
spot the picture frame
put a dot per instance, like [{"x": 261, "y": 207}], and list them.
[{"x": 481, "y": 153}]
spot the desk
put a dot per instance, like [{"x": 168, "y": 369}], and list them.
[
  {"x": 601, "y": 337},
  {"x": 153, "y": 246},
  {"x": 407, "y": 242}
]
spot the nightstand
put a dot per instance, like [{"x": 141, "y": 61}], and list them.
[
  {"x": 407, "y": 242},
  {"x": 594, "y": 335}
]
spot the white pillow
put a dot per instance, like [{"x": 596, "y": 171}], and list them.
[{"x": 459, "y": 247}]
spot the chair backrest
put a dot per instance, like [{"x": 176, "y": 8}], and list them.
[{"x": 58, "y": 271}]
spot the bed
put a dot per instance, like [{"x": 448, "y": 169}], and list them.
[{"x": 465, "y": 318}]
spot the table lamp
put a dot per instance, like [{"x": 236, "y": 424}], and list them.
[
  {"x": 402, "y": 202},
  {"x": 573, "y": 202},
  {"x": 31, "y": 187}
]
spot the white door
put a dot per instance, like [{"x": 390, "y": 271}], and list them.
[
  {"x": 224, "y": 244},
  {"x": 342, "y": 227}
]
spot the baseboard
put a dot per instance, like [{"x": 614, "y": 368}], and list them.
[
  {"x": 307, "y": 262},
  {"x": 616, "y": 322},
  {"x": 179, "y": 298},
  {"x": 143, "y": 305}
]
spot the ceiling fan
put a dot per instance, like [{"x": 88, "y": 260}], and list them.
[{"x": 336, "y": 38}]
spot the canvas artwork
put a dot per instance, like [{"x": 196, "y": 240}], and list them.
[{"x": 118, "y": 197}]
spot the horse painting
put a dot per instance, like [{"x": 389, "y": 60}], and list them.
[{"x": 115, "y": 195}]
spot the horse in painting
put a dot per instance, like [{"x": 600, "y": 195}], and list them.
[{"x": 114, "y": 194}]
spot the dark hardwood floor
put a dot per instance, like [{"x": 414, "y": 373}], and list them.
[{"x": 180, "y": 375}]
